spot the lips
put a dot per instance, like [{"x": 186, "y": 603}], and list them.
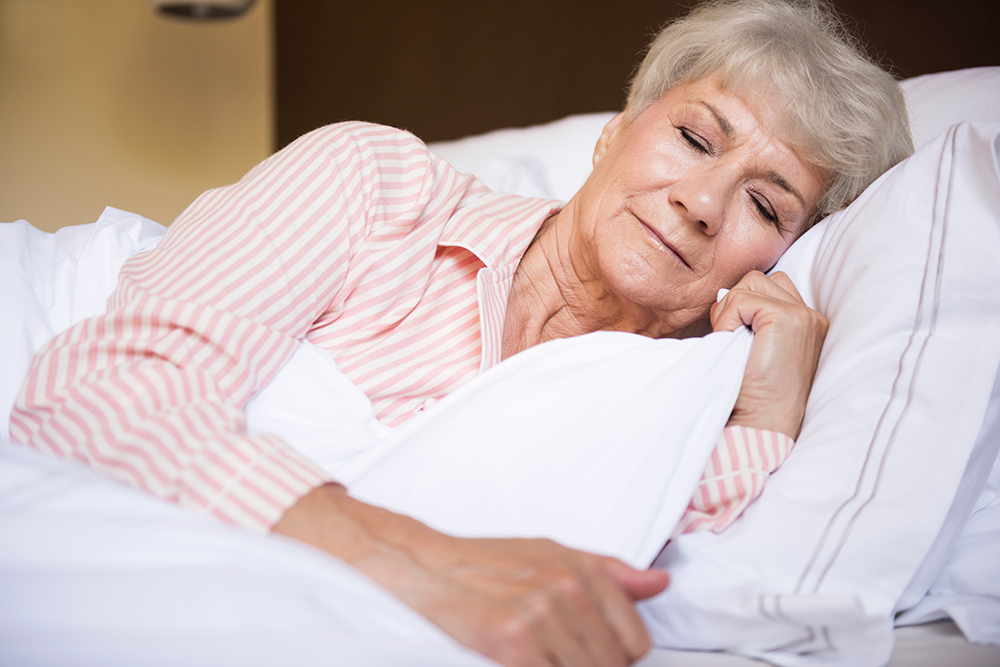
[{"x": 663, "y": 242}]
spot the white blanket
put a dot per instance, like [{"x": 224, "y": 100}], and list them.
[{"x": 597, "y": 441}]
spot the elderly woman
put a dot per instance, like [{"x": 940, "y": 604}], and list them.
[{"x": 747, "y": 122}]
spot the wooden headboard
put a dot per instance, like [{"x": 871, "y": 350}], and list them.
[{"x": 449, "y": 68}]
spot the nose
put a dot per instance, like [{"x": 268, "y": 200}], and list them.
[{"x": 701, "y": 194}]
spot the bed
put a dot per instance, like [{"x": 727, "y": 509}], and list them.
[{"x": 883, "y": 521}]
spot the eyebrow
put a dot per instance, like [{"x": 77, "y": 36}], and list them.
[
  {"x": 730, "y": 132},
  {"x": 724, "y": 124},
  {"x": 779, "y": 180}
]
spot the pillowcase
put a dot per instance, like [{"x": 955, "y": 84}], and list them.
[
  {"x": 968, "y": 587},
  {"x": 551, "y": 160},
  {"x": 938, "y": 101},
  {"x": 890, "y": 459},
  {"x": 935, "y": 102}
]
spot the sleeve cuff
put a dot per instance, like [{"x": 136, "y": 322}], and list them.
[
  {"x": 734, "y": 477},
  {"x": 266, "y": 486}
]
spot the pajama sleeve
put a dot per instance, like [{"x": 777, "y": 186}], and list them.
[
  {"x": 735, "y": 476},
  {"x": 152, "y": 393}
]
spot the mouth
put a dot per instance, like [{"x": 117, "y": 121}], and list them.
[{"x": 666, "y": 245}]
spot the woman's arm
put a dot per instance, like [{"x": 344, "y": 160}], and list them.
[
  {"x": 520, "y": 602},
  {"x": 153, "y": 392}
]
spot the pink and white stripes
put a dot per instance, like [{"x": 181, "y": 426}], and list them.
[
  {"x": 734, "y": 477},
  {"x": 355, "y": 237}
]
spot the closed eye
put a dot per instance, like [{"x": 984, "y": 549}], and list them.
[
  {"x": 765, "y": 211},
  {"x": 694, "y": 141}
]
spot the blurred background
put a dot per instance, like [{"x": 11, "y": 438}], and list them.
[{"x": 107, "y": 102}]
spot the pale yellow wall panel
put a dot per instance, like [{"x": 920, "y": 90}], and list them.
[{"x": 102, "y": 102}]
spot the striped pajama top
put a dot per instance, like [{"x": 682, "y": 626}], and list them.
[{"x": 354, "y": 237}]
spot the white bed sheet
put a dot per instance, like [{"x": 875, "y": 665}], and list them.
[{"x": 95, "y": 573}]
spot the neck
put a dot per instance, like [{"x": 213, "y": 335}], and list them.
[{"x": 557, "y": 291}]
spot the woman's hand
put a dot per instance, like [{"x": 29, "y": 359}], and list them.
[
  {"x": 520, "y": 602},
  {"x": 788, "y": 338}
]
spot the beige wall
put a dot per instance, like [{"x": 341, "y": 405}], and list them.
[{"x": 102, "y": 102}]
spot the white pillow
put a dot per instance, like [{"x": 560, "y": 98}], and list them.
[
  {"x": 848, "y": 528},
  {"x": 529, "y": 162},
  {"x": 938, "y": 101},
  {"x": 968, "y": 587},
  {"x": 551, "y": 160}
]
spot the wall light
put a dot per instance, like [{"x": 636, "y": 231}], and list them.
[{"x": 202, "y": 9}]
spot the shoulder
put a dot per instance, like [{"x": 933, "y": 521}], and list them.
[
  {"x": 364, "y": 139},
  {"x": 372, "y": 154}
]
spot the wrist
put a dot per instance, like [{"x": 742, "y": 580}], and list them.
[
  {"x": 789, "y": 427},
  {"x": 388, "y": 547}
]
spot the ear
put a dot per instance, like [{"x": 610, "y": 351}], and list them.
[{"x": 607, "y": 134}]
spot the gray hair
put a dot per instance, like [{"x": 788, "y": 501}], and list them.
[{"x": 835, "y": 107}]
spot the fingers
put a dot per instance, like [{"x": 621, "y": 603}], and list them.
[
  {"x": 524, "y": 603},
  {"x": 552, "y": 626},
  {"x": 637, "y": 584},
  {"x": 578, "y": 613},
  {"x": 617, "y": 596},
  {"x": 596, "y": 623},
  {"x": 781, "y": 279},
  {"x": 745, "y": 303}
]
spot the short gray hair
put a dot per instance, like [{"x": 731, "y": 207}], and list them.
[{"x": 834, "y": 106}]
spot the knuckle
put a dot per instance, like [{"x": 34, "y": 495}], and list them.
[
  {"x": 572, "y": 588},
  {"x": 515, "y": 630},
  {"x": 814, "y": 321},
  {"x": 803, "y": 316},
  {"x": 565, "y": 582},
  {"x": 541, "y": 609}
]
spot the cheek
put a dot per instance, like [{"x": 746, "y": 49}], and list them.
[{"x": 757, "y": 250}]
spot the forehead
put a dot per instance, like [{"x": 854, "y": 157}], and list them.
[
  {"x": 775, "y": 108},
  {"x": 757, "y": 106},
  {"x": 735, "y": 110}
]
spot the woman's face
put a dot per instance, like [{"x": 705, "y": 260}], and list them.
[{"x": 686, "y": 199}]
